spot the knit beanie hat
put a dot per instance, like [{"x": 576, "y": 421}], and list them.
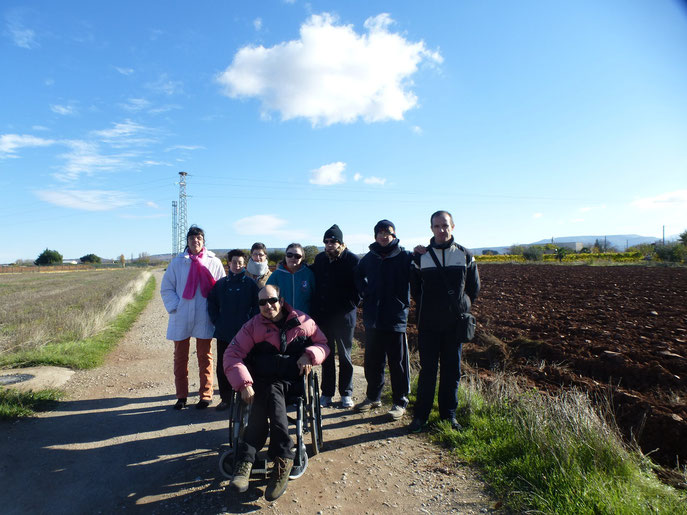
[
  {"x": 383, "y": 225},
  {"x": 335, "y": 233}
]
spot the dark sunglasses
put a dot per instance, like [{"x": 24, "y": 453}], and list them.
[
  {"x": 293, "y": 255},
  {"x": 271, "y": 300},
  {"x": 328, "y": 241}
]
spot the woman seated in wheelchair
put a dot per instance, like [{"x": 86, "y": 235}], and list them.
[{"x": 262, "y": 363}]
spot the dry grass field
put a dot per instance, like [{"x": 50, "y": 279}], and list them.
[{"x": 36, "y": 309}]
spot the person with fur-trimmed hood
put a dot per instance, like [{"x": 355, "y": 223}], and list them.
[
  {"x": 334, "y": 305},
  {"x": 382, "y": 278}
]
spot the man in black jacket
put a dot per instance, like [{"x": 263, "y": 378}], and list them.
[
  {"x": 232, "y": 302},
  {"x": 438, "y": 338},
  {"x": 334, "y": 306},
  {"x": 382, "y": 277}
]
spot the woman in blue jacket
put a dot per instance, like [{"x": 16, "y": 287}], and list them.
[{"x": 294, "y": 278}]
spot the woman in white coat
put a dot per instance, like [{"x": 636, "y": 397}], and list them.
[{"x": 185, "y": 287}]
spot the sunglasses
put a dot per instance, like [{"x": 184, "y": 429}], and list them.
[
  {"x": 271, "y": 300},
  {"x": 328, "y": 241},
  {"x": 293, "y": 255}
]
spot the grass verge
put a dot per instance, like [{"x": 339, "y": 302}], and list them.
[
  {"x": 87, "y": 353},
  {"x": 15, "y": 404},
  {"x": 552, "y": 454}
]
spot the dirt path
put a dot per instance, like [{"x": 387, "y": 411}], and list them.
[{"x": 115, "y": 445}]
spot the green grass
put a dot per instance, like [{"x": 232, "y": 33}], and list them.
[
  {"x": 86, "y": 353},
  {"x": 15, "y": 404},
  {"x": 552, "y": 454}
]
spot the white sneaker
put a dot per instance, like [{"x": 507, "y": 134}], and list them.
[
  {"x": 346, "y": 401},
  {"x": 396, "y": 412},
  {"x": 325, "y": 401}
]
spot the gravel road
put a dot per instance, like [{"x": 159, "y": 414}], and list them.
[{"x": 115, "y": 445}]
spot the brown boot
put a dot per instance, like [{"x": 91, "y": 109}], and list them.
[
  {"x": 279, "y": 478},
  {"x": 241, "y": 477}
]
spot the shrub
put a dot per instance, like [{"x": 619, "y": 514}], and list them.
[
  {"x": 48, "y": 257},
  {"x": 533, "y": 253},
  {"x": 90, "y": 258},
  {"x": 673, "y": 252}
]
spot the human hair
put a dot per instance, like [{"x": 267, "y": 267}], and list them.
[
  {"x": 438, "y": 213},
  {"x": 235, "y": 253},
  {"x": 293, "y": 246},
  {"x": 194, "y": 230},
  {"x": 273, "y": 286},
  {"x": 258, "y": 246}
]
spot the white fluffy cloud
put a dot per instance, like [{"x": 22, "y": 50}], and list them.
[
  {"x": 20, "y": 35},
  {"x": 10, "y": 143},
  {"x": 331, "y": 74},
  {"x": 63, "y": 110},
  {"x": 374, "y": 180},
  {"x": 671, "y": 200},
  {"x": 328, "y": 175},
  {"x": 86, "y": 200},
  {"x": 86, "y": 158},
  {"x": 267, "y": 225}
]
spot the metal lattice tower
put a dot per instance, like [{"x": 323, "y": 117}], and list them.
[
  {"x": 182, "y": 223},
  {"x": 175, "y": 230}
]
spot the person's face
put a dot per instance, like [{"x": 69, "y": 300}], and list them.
[
  {"x": 294, "y": 258},
  {"x": 237, "y": 264},
  {"x": 195, "y": 243},
  {"x": 385, "y": 237},
  {"x": 269, "y": 302},
  {"x": 442, "y": 227},
  {"x": 258, "y": 255},
  {"x": 331, "y": 247}
]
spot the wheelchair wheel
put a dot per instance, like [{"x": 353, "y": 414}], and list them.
[
  {"x": 314, "y": 414},
  {"x": 226, "y": 464},
  {"x": 298, "y": 471}
]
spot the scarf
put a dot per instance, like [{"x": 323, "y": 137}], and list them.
[
  {"x": 385, "y": 251},
  {"x": 198, "y": 274},
  {"x": 256, "y": 269}
]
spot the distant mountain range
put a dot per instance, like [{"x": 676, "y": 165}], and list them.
[{"x": 619, "y": 241}]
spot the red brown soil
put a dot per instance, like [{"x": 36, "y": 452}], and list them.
[{"x": 617, "y": 332}]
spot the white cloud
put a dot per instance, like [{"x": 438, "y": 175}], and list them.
[
  {"x": 417, "y": 129},
  {"x": 671, "y": 200},
  {"x": 357, "y": 177},
  {"x": 331, "y": 74},
  {"x": 124, "y": 71},
  {"x": 85, "y": 158},
  {"x": 257, "y": 23},
  {"x": 40, "y": 128},
  {"x": 152, "y": 204},
  {"x": 537, "y": 215},
  {"x": 267, "y": 225},
  {"x": 10, "y": 143},
  {"x": 63, "y": 110},
  {"x": 135, "y": 104},
  {"x": 587, "y": 209},
  {"x": 20, "y": 35},
  {"x": 165, "y": 85},
  {"x": 374, "y": 180},
  {"x": 126, "y": 133},
  {"x": 184, "y": 147},
  {"x": 86, "y": 200},
  {"x": 328, "y": 175}
]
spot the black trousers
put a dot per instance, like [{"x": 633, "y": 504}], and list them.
[
  {"x": 268, "y": 416},
  {"x": 339, "y": 333},
  {"x": 438, "y": 349},
  {"x": 222, "y": 381},
  {"x": 382, "y": 346}
]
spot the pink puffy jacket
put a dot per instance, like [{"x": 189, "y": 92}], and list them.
[{"x": 259, "y": 329}]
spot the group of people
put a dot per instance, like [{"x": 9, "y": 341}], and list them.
[{"x": 272, "y": 327}]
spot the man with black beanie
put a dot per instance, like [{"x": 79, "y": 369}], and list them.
[
  {"x": 382, "y": 278},
  {"x": 334, "y": 306}
]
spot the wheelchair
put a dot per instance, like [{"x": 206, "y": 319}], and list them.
[{"x": 307, "y": 418}]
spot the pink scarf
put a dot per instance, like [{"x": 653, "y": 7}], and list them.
[{"x": 198, "y": 273}]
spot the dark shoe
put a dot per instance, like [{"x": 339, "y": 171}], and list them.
[
  {"x": 222, "y": 406},
  {"x": 279, "y": 478},
  {"x": 202, "y": 404},
  {"x": 241, "y": 477},
  {"x": 417, "y": 426},
  {"x": 454, "y": 424},
  {"x": 367, "y": 405},
  {"x": 181, "y": 404}
]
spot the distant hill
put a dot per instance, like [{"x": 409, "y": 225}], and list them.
[{"x": 619, "y": 241}]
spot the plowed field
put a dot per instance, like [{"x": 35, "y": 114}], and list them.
[{"x": 614, "y": 330}]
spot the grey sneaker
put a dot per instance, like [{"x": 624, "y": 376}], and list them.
[
  {"x": 279, "y": 478},
  {"x": 367, "y": 405},
  {"x": 325, "y": 401},
  {"x": 396, "y": 412},
  {"x": 241, "y": 477},
  {"x": 346, "y": 401}
]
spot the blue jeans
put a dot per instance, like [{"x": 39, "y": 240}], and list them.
[
  {"x": 438, "y": 349},
  {"x": 339, "y": 333}
]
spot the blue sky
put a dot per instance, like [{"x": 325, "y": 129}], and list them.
[{"x": 526, "y": 120}]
